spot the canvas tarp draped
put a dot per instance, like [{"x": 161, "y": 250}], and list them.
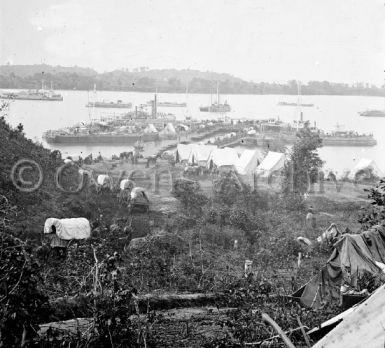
[
  {"x": 67, "y": 229},
  {"x": 363, "y": 165},
  {"x": 248, "y": 162},
  {"x": 274, "y": 161},
  {"x": 353, "y": 255}
]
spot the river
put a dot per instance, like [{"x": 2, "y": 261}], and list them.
[{"x": 328, "y": 111}]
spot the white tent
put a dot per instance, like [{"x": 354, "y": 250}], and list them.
[
  {"x": 248, "y": 161},
  {"x": 223, "y": 157},
  {"x": 73, "y": 157},
  {"x": 362, "y": 326},
  {"x": 200, "y": 154},
  {"x": 183, "y": 152},
  {"x": 150, "y": 129},
  {"x": 365, "y": 164},
  {"x": 252, "y": 132},
  {"x": 274, "y": 161},
  {"x": 169, "y": 129},
  {"x": 67, "y": 229}
]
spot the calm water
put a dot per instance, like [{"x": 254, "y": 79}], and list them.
[{"x": 38, "y": 116}]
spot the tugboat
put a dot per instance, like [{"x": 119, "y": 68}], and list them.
[
  {"x": 217, "y": 106},
  {"x": 43, "y": 94},
  {"x": 107, "y": 104},
  {"x": 168, "y": 104},
  {"x": 294, "y": 104}
]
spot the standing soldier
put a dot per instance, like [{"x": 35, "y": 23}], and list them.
[{"x": 311, "y": 219}]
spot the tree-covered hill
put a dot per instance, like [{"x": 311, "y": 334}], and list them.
[{"x": 165, "y": 80}]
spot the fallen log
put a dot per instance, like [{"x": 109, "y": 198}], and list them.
[
  {"x": 81, "y": 306},
  {"x": 169, "y": 301}
]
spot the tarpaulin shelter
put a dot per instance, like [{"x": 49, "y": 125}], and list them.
[
  {"x": 362, "y": 326},
  {"x": 200, "y": 154},
  {"x": 68, "y": 229},
  {"x": 273, "y": 162},
  {"x": 353, "y": 255},
  {"x": 365, "y": 165},
  {"x": 248, "y": 162}
]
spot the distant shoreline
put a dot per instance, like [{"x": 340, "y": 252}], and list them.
[{"x": 194, "y": 92}]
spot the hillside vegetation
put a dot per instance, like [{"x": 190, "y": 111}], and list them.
[
  {"x": 165, "y": 80},
  {"x": 113, "y": 284}
]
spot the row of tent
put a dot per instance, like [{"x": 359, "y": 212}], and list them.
[
  {"x": 363, "y": 166},
  {"x": 249, "y": 162},
  {"x": 168, "y": 129}
]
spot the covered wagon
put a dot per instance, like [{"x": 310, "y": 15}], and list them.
[
  {"x": 139, "y": 199},
  {"x": 60, "y": 232}
]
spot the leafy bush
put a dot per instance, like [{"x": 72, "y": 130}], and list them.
[{"x": 22, "y": 304}]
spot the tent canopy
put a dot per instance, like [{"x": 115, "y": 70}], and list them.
[
  {"x": 67, "y": 229},
  {"x": 223, "y": 157},
  {"x": 150, "y": 129},
  {"x": 365, "y": 164},
  {"x": 361, "y": 327},
  {"x": 273, "y": 162},
  {"x": 248, "y": 162}
]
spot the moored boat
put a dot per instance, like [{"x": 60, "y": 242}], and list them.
[
  {"x": 295, "y": 104},
  {"x": 36, "y": 94},
  {"x": 216, "y": 106},
  {"x": 169, "y": 104},
  {"x": 109, "y": 104},
  {"x": 373, "y": 113},
  {"x": 287, "y": 133}
]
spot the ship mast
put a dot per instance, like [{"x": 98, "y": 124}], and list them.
[
  {"x": 217, "y": 92},
  {"x": 299, "y": 104}
]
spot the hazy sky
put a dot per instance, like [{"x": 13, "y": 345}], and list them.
[{"x": 270, "y": 40}]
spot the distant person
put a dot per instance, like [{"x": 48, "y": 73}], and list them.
[{"x": 311, "y": 219}]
